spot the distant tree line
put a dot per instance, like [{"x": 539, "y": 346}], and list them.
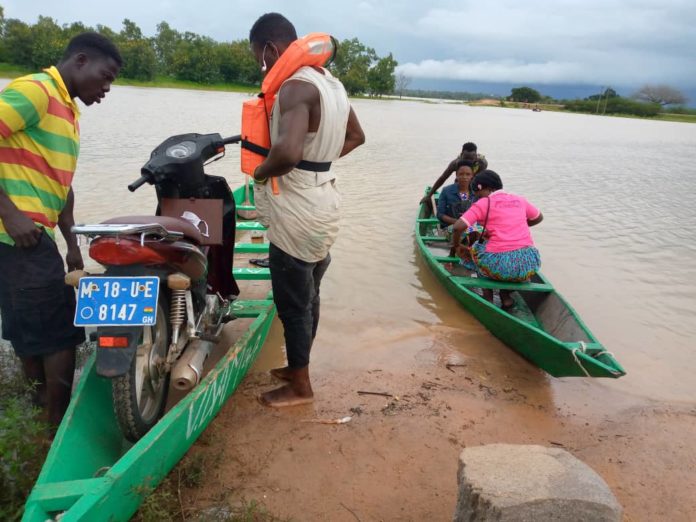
[
  {"x": 614, "y": 105},
  {"x": 445, "y": 95},
  {"x": 647, "y": 101},
  {"x": 183, "y": 55}
]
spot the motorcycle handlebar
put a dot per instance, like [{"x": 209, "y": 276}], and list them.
[
  {"x": 146, "y": 178},
  {"x": 232, "y": 139},
  {"x": 137, "y": 183}
]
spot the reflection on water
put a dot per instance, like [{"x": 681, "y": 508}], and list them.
[{"x": 618, "y": 240}]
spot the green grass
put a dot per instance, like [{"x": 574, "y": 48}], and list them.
[
  {"x": 170, "y": 83},
  {"x": 685, "y": 118},
  {"x": 8, "y": 70},
  {"x": 664, "y": 116},
  {"x": 680, "y": 118},
  {"x": 165, "y": 502},
  {"x": 13, "y": 71},
  {"x": 23, "y": 437}
]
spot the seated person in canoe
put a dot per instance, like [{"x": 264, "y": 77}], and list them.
[
  {"x": 455, "y": 199},
  {"x": 506, "y": 251},
  {"x": 469, "y": 152}
]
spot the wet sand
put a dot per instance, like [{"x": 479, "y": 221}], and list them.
[
  {"x": 397, "y": 458},
  {"x": 452, "y": 385}
]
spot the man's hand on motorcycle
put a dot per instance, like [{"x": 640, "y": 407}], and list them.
[
  {"x": 22, "y": 230},
  {"x": 74, "y": 259}
]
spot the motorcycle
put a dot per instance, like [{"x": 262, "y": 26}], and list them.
[{"x": 165, "y": 294}]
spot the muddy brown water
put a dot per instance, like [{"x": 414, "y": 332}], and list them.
[{"x": 618, "y": 239}]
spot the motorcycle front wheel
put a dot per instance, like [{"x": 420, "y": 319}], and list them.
[{"x": 140, "y": 395}]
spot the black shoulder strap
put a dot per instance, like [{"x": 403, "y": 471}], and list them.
[
  {"x": 315, "y": 166},
  {"x": 485, "y": 221}
]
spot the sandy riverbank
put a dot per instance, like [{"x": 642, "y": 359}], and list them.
[{"x": 397, "y": 459}]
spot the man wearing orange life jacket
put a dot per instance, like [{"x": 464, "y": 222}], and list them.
[{"x": 311, "y": 120}]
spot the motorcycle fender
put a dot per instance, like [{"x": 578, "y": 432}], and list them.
[{"x": 114, "y": 362}]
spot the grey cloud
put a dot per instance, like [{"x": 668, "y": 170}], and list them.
[
  {"x": 623, "y": 42},
  {"x": 618, "y": 42}
]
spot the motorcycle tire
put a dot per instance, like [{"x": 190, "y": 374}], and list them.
[{"x": 140, "y": 395}]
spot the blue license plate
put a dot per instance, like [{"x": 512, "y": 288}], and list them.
[{"x": 117, "y": 301}]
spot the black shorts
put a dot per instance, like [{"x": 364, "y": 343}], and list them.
[{"x": 37, "y": 306}]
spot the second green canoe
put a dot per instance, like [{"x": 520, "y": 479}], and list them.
[{"x": 542, "y": 326}]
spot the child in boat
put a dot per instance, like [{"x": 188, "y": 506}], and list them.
[{"x": 506, "y": 251}]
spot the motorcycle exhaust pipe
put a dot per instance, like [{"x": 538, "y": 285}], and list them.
[{"x": 188, "y": 370}]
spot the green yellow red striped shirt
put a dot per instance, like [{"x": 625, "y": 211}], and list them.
[{"x": 39, "y": 145}]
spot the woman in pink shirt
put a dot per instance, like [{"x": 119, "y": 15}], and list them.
[{"x": 505, "y": 251}]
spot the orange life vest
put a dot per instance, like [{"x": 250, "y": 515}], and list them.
[{"x": 315, "y": 49}]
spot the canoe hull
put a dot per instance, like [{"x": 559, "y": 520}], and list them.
[
  {"x": 549, "y": 333},
  {"x": 89, "y": 442},
  {"x": 93, "y": 473}
]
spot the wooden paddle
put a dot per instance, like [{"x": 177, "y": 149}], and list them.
[{"x": 246, "y": 214}]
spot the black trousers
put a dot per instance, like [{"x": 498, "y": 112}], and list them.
[
  {"x": 296, "y": 295},
  {"x": 37, "y": 306}
]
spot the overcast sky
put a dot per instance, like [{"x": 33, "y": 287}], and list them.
[{"x": 623, "y": 43}]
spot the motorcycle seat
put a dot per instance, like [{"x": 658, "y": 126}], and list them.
[{"x": 172, "y": 224}]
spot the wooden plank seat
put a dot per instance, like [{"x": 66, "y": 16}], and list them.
[
  {"x": 479, "y": 282},
  {"x": 251, "y": 274},
  {"x": 251, "y": 248},
  {"x": 250, "y": 225}
]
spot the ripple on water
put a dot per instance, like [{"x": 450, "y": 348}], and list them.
[{"x": 618, "y": 239}]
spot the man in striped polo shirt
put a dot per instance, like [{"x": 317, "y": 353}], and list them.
[{"x": 39, "y": 145}]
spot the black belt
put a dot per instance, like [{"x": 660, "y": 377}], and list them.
[{"x": 316, "y": 166}]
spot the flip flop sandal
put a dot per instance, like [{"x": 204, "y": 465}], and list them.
[{"x": 263, "y": 263}]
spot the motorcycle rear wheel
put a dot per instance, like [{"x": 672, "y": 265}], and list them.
[{"x": 140, "y": 395}]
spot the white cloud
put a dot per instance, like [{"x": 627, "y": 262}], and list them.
[
  {"x": 619, "y": 69},
  {"x": 494, "y": 71}
]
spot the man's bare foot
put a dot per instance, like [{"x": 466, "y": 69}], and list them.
[
  {"x": 282, "y": 374},
  {"x": 284, "y": 396},
  {"x": 297, "y": 391}
]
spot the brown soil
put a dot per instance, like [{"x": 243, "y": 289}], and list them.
[
  {"x": 397, "y": 458},
  {"x": 490, "y": 102}
]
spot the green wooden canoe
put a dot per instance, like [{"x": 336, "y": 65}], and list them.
[
  {"x": 93, "y": 473},
  {"x": 542, "y": 326}
]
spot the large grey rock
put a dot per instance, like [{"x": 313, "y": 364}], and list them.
[{"x": 506, "y": 482}]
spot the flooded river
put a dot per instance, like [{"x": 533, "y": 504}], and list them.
[{"x": 618, "y": 239}]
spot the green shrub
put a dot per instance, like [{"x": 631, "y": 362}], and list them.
[
  {"x": 615, "y": 105},
  {"x": 679, "y": 110},
  {"x": 23, "y": 448}
]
